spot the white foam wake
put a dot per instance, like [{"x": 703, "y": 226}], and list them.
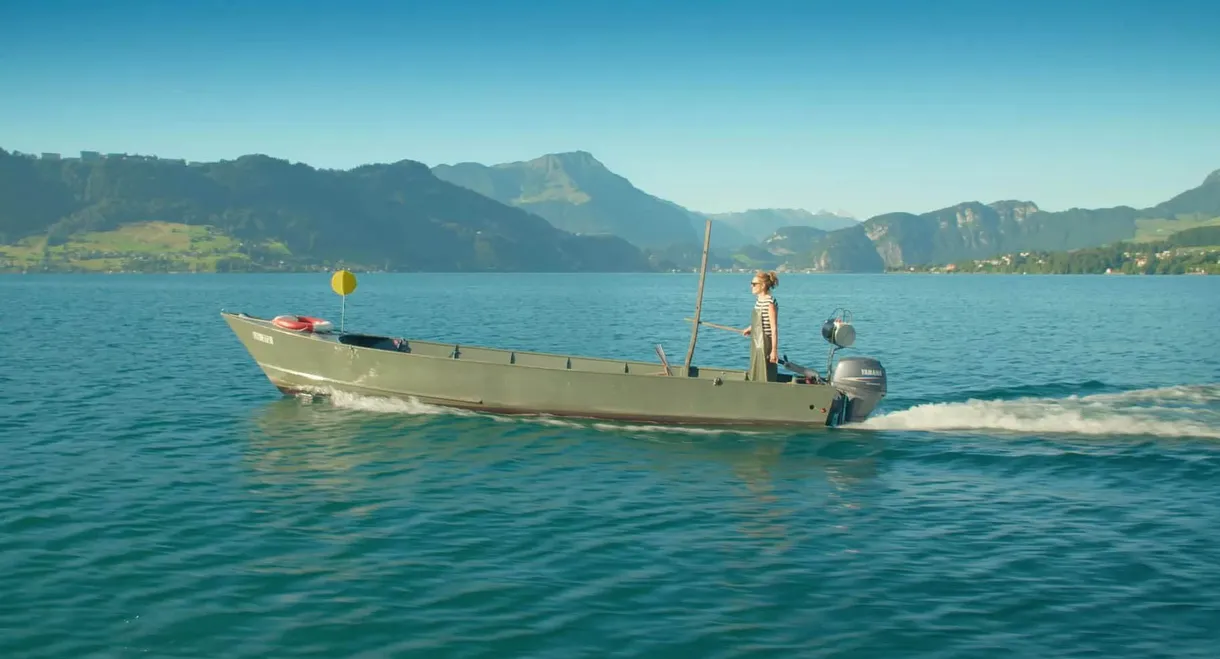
[
  {"x": 1182, "y": 411},
  {"x": 350, "y": 401},
  {"x": 381, "y": 405}
]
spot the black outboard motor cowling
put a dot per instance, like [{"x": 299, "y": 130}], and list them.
[{"x": 863, "y": 380}]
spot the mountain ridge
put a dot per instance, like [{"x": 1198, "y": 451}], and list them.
[
  {"x": 976, "y": 230},
  {"x": 496, "y": 213},
  {"x": 577, "y": 192},
  {"x": 393, "y": 216},
  {"x": 760, "y": 223}
]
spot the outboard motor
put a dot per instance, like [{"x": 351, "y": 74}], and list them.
[{"x": 861, "y": 379}]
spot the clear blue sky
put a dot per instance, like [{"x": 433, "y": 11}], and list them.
[{"x": 865, "y": 106}]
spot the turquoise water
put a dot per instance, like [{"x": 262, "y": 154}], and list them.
[{"x": 1044, "y": 479}]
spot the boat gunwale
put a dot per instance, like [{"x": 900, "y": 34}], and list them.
[{"x": 711, "y": 374}]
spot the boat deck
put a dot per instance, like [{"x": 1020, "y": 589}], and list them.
[{"x": 482, "y": 354}]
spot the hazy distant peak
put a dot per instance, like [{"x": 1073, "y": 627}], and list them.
[
  {"x": 566, "y": 160},
  {"x": 575, "y": 192},
  {"x": 760, "y": 223},
  {"x": 794, "y": 213},
  {"x": 579, "y": 157},
  {"x": 1212, "y": 178},
  {"x": 824, "y": 212}
]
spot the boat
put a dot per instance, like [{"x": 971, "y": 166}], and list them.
[{"x": 318, "y": 360}]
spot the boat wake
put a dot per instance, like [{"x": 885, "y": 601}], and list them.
[
  {"x": 349, "y": 401},
  {"x": 1186, "y": 411},
  {"x": 376, "y": 404}
]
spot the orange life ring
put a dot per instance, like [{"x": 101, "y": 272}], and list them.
[{"x": 302, "y": 323}]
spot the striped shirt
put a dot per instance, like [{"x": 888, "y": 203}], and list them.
[{"x": 762, "y": 304}]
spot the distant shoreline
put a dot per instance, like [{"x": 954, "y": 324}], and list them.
[{"x": 599, "y": 272}]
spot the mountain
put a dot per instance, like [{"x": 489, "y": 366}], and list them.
[
  {"x": 265, "y": 211},
  {"x": 793, "y": 240},
  {"x": 973, "y": 230},
  {"x": 760, "y": 223},
  {"x": 724, "y": 237},
  {"x": 577, "y": 193},
  {"x": 803, "y": 247},
  {"x": 1199, "y": 203},
  {"x": 789, "y": 245},
  {"x": 687, "y": 258},
  {"x": 258, "y": 212}
]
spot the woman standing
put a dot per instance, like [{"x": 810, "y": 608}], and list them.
[{"x": 764, "y": 328}]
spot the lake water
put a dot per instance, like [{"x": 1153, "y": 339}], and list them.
[{"x": 1042, "y": 481}]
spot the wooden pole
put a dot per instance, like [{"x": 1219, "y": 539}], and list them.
[
  {"x": 694, "y": 332},
  {"x": 735, "y": 330}
]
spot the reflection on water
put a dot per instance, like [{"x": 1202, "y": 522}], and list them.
[
  {"x": 365, "y": 455},
  {"x": 762, "y": 516},
  {"x": 827, "y": 471}
]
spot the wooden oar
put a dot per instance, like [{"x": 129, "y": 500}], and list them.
[
  {"x": 737, "y": 330},
  {"x": 694, "y": 331}
]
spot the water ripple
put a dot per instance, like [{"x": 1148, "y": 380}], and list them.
[{"x": 159, "y": 499}]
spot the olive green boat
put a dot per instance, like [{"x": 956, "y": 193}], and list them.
[
  {"x": 518, "y": 382},
  {"x": 302, "y": 355}
]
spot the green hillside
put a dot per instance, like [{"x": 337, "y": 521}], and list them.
[
  {"x": 1192, "y": 251},
  {"x": 142, "y": 247},
  {"x": 260, "y": 213},
  {"x": 1150, "y": 230}
]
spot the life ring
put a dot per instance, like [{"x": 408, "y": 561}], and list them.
[{"x": 303, "y": 323}]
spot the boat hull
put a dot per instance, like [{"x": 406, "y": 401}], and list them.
[{"x": 516, "y": 382}]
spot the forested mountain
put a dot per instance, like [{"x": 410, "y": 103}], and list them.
[
  {"x": 1191, "y": 251},
  {"x": 395, "y": 216},
  {"x": 560, "y": 212},
  {"x": 576, "y": 192},
  {"x": 974, "y": 230}
]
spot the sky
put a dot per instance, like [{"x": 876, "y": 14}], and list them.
[{"x": 865, "y": 106}]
